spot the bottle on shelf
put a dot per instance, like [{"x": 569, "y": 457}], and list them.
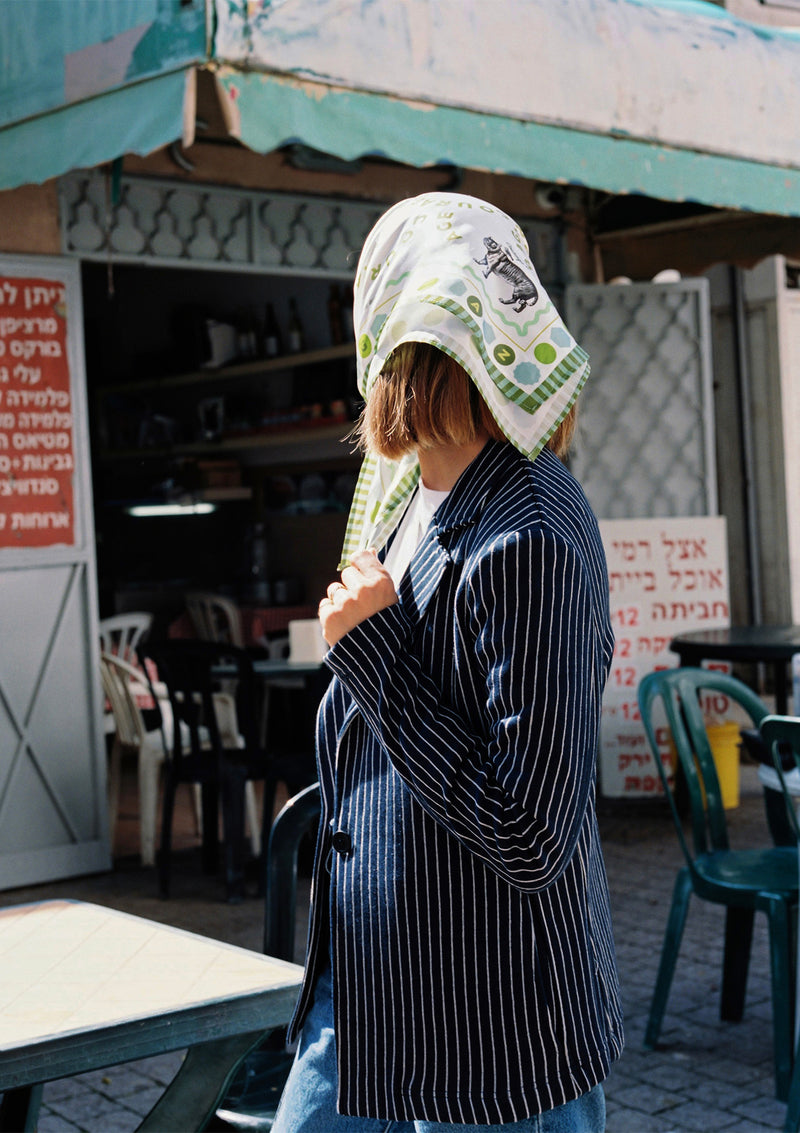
[
  {"x": 335, "y": 316},
  {"x": 348, "y": 333},
  {"x": 252, "y": 333},
  {"x": 296, "y": 336},
  {"x": 245, "y": 335},
  {"x": 257, "y": 586},
  {"x": 272, "y": 345}
]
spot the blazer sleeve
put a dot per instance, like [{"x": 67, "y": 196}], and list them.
[{"x": 515, "y": 791}]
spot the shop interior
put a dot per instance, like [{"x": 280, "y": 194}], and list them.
[{"x": 221, "y": 406}]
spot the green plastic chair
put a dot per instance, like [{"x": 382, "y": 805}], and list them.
[
  {"x": 744, "y": 881},
  {"x": 236, "y": 1083},
  {"x": 777, "y": 730},
  {"x": 253, "y": 1094},
  {"x": 784, "y": 731}
]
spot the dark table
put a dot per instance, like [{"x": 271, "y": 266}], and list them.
[
  {"x": 271, "y": 669},
  {"x": 771, "y": 645}
]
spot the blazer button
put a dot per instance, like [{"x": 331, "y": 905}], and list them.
[{"x": 342, "y": 842}]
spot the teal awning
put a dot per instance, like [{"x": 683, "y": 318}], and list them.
[
  {"x": 674, "y": 99},
  {"x": 677, "y": 99},
  {"x": 86, "y": 81},
  {"x": 269, "y": 111},
  {"x": 134, "y": 119}
]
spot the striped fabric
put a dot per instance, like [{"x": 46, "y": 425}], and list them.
[{"x": 473, "y": 960}]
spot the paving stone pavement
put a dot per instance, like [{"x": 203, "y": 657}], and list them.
[{"x": 706, "y": 1076}]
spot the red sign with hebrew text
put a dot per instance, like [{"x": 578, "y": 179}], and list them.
[{"x": 36, "y": 426}]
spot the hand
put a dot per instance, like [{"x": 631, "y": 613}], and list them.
[{"x": 365, "y": 588}]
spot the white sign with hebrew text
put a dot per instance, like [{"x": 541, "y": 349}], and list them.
[{"x": 666, "y": 576}]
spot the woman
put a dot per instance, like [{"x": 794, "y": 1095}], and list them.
[{"x": 460, "y": 971}]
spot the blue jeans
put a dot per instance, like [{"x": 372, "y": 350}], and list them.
[{"x": 308, "y": 1104}]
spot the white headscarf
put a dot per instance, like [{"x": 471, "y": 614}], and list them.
[{"x": 455, "y": 272}]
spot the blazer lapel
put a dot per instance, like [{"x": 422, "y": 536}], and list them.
[
  {"x": 424, "y": 574},
  {"x": 439, "y": 549}
]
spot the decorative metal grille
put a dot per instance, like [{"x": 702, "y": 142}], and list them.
[
  {"x": 644, "y": 441},
  {"x": 177, "y": 224}
]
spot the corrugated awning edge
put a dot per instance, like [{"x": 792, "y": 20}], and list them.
[
  {"x": 137, "y": 118},
  {"x": 267, "y": 111}
]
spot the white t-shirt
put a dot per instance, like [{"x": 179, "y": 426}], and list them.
[{"x": 412, "y": 527}]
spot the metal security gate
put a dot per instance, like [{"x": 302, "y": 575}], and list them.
[
  {"x": 645, "y": 439},
  {"x": 53, "y": 813},
  {"x": 644, "y": 454}
]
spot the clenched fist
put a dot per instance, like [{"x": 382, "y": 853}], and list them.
[{"x": 366, "y": 587}]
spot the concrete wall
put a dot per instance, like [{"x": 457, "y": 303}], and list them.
[{"x": 29, "y": 220}]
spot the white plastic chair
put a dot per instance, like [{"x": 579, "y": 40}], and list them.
[
  {"x": 121, "y": 634},
  {"x": 119, "y": 637},
  {"x": 121, "y": 681},
  {"x": 215, "y": 618},
  {"x": 131, "y": 737}
]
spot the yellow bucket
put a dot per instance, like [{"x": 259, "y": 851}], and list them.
[{"x": 725, "y": 741}]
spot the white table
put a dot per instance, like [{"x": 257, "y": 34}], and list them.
[{"x": 83, "y": 987}]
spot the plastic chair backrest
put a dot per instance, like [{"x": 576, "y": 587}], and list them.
[
  {"x": 288, "y": 830},
  {"x": 190, "y": 669},
  {"x": 120, "y": 634},
  {"x": 679, "y": 691},
  {"x": 215, "y": 618},
  {"x": 117, "y": 675},
  {"x": 784, "y": 730}
]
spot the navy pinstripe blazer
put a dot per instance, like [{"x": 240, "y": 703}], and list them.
[{"x": 458, "y": 869}]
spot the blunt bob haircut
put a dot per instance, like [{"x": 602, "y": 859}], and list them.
[{"x": 424, "y": 398}]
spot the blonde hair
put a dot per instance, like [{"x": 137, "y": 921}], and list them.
[{"x": 423, "y": 398}]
